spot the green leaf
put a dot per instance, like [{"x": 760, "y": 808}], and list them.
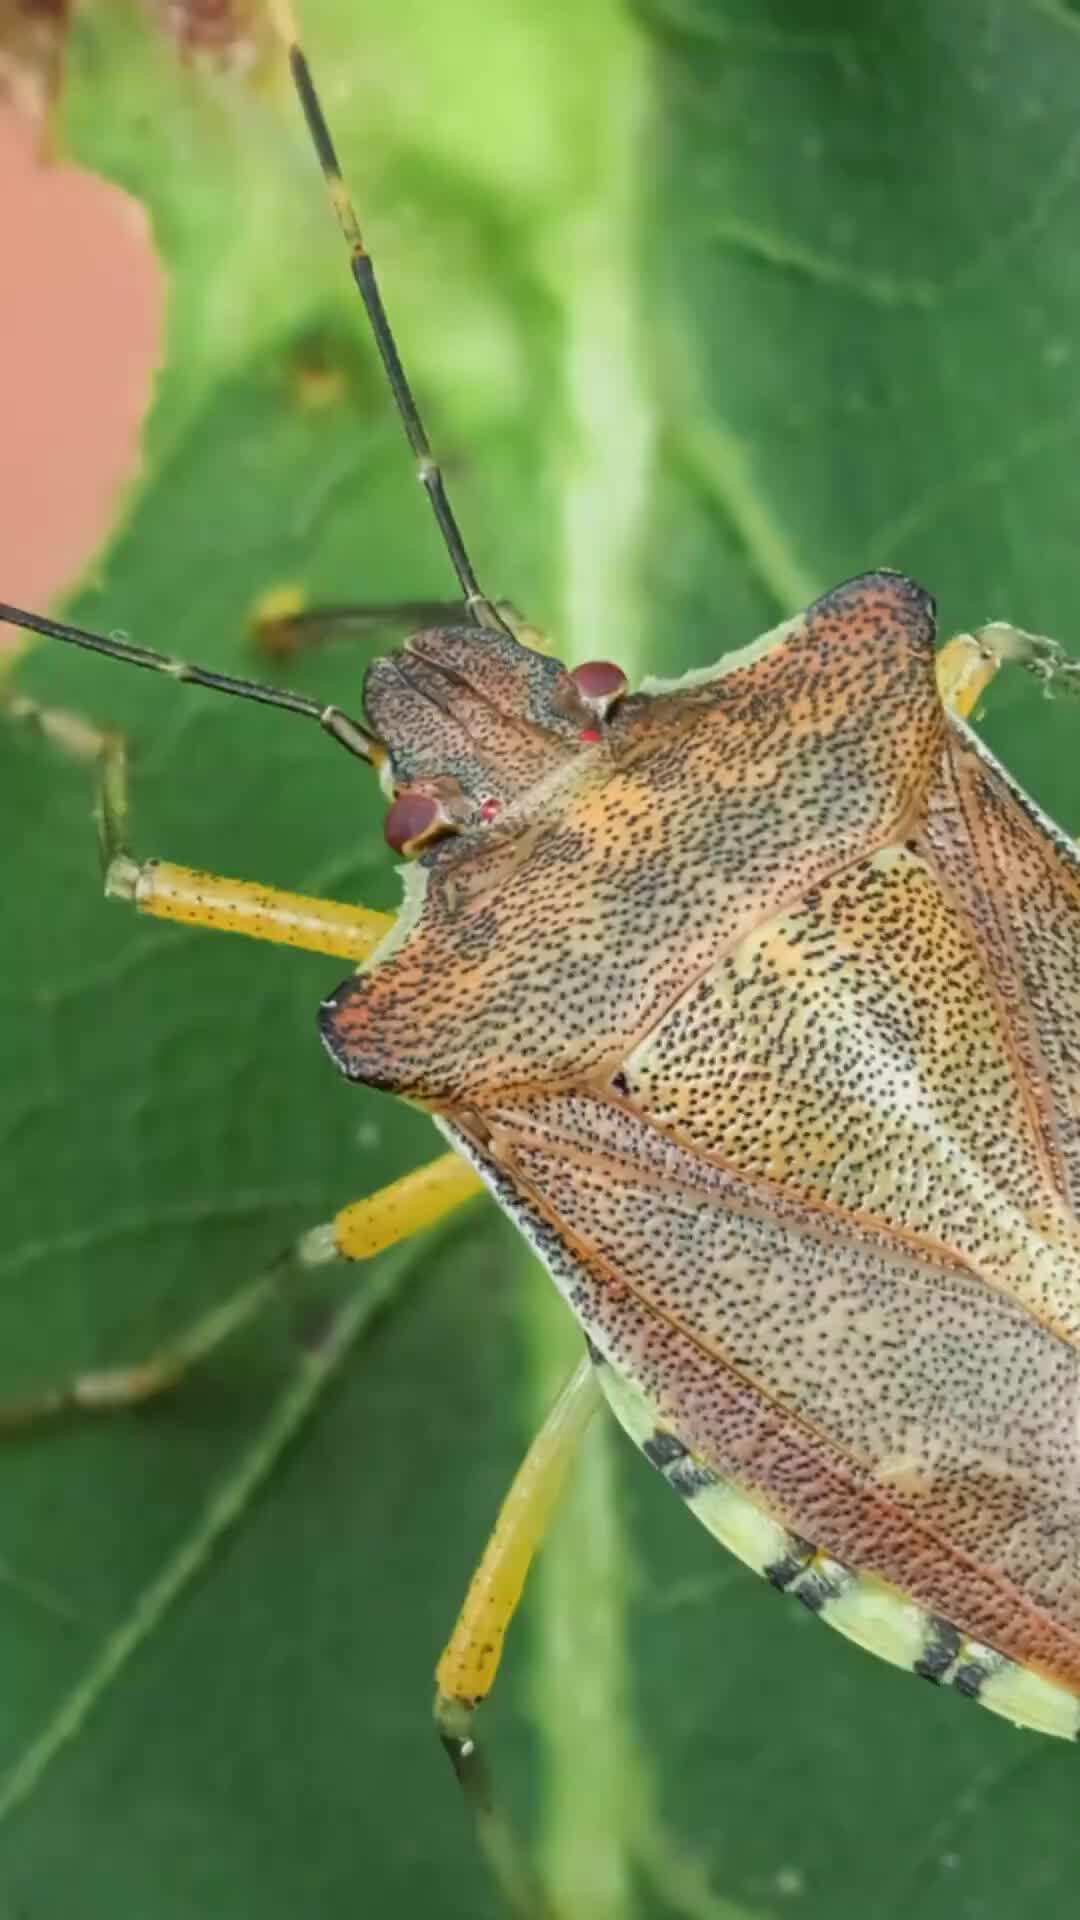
[{"x": 709, "y": 305}]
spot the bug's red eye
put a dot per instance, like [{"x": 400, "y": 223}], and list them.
[
  {"x": 412, "y": 819},
  {"x": 599, "y": 684},
  {"x": 599, "y": 680}
]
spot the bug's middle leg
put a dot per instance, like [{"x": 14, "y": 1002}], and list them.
[
  {"x": 284, "y": 626},
  {"x": 420, "y": 1199}
]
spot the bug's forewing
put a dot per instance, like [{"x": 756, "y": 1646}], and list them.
[{"x": 829, "y": 1230}]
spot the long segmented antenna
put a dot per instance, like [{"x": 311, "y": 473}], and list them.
[
  {"x": 479, "y": 607},
  {"x": 349, "y": 733}
]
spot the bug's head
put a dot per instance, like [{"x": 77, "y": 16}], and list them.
[{"x": 476, "y": 727}]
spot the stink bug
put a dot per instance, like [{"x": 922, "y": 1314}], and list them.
[{"x": 781, "y": 1094}]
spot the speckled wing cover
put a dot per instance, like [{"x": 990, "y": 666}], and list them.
[{"x": 766, "y": 1028}]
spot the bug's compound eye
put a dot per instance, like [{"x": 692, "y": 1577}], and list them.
[
  {"x": 599, "y": 684},
  {"x": 415, "y": 819}
]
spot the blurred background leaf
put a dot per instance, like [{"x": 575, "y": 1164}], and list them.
[{"x": 710, "y": 303}]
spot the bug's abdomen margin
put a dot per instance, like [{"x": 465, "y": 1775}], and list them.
[{"x": 876, "y": 1616}]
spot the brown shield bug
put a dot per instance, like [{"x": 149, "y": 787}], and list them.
[{"x": 749, "y": 997}]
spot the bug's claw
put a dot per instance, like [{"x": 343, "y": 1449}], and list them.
[
  {"x": 512, "y": 1875},
  {"x": 454, "y": 1724}
]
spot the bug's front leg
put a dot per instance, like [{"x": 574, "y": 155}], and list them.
[
  {"x": 186, "y": 894},
  {"x": 466, "y": 1672},
  {"x": 965, "y": 668},
  {"x": 969, "y": 661},
  {"x": 420, "y": 1199}
]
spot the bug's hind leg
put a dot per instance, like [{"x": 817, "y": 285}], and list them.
[
  {"x": 420, "y": 1199},
  {"x": 466, "y": 1672}
]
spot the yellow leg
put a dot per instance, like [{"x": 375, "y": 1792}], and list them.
[
  {"x": 466, "y": 1672},
  {"x": 418, "y": 1200},
  {"x": 968, "y": 662},
  {"x": 282, "y": 625},
  {"x": 196, "y": 899},
  {"x": 169, "y": 892},
  {"x": 965, "y": 669}
]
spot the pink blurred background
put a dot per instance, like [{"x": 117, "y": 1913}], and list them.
[{"x": 81, "y": 300}]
